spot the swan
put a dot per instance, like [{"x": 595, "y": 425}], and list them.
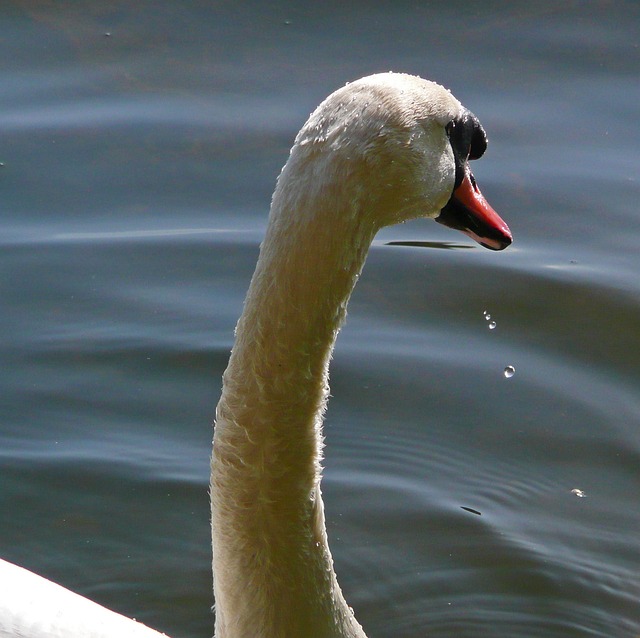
[{"x": 381, "y": 150}]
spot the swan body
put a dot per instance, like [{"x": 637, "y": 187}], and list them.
[
  {"x": 34, "y": 607},
  {"x": 381, "y": 150}
]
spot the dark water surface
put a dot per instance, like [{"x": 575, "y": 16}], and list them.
[{"x": 140, "y": 143}]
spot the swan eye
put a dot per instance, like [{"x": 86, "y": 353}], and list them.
[{"x": 468, "y": 141}]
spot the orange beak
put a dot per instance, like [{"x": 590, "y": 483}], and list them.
[{"x": 470, "y": 212}]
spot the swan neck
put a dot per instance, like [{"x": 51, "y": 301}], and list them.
[{"x": 271, "y": 554}]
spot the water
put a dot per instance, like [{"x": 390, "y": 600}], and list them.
[{"x": 137, "y": 171}]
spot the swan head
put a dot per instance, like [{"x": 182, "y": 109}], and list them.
[{"x": 398, "y": 147}]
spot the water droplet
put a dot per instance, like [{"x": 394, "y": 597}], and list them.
[
  {"x": 509, "y": 371},
  {"x": 492, "y": 325},
  {"x": 487, "y": 317},
  {"x": 578, "y": 493}
]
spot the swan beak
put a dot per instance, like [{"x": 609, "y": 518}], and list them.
[{"x": 470, "y": 212}]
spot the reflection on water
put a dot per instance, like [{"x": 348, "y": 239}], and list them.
[{"x": 136, "y": 173}]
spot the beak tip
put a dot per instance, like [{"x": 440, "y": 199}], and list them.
[
  {"x": 493, "y": 244},
  {"x": 499, "y": 245}
]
